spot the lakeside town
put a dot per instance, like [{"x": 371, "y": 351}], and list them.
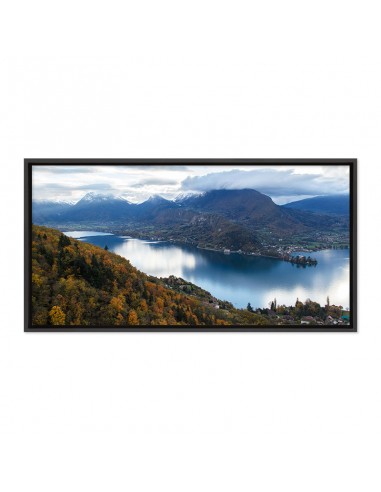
[
  {"x": 301, "y": 313},
  {"x": 291, "y": 250}
]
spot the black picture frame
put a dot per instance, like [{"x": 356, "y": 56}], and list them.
[{"x": 30, "y": 162}]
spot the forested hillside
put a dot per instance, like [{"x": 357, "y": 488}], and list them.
[{"x": 78, "y": 284}]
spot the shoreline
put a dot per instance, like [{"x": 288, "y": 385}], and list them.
[
  {"x": 288, "y": 260},
  {"x": 180, "y": 243},
  {"x": 239, "y": 252}
]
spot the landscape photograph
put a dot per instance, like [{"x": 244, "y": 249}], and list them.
[{"x": 220, "y": 245}]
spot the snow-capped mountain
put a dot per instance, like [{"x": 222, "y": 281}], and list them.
[
  {"x": 99, "y": 207},
  {"x": 155, "y": 205},
  {"x": 93, "y": 197},
  {"x": 182, "y": 197},
  {"x": 156, "y": 199}
]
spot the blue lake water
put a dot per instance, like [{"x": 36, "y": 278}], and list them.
[{"x": 236, "y": 278}]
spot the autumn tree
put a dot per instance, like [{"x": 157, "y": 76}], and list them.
[
  {"x": 133, "y": 318},
  {"x": 117, "y": 303},
  {"x": 143, "y": 306},
  {"x": 57, "y": 316}
]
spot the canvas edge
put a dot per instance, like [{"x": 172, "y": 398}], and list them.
[{"x": 29, "y": 162}]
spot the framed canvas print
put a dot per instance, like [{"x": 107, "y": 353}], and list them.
[{"x": 190, "y": 245}]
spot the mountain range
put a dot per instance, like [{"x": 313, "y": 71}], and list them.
[
  {"x": 331, "y": 204},
  {"x": 235, "y": 219}
]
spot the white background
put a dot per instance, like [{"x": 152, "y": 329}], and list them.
[{"x": 189, "y": 412}]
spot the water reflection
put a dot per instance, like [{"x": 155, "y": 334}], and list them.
[
  {"x": 238, "y": 278},
  {"x": 156, "y": 258},
  {"x": 83, "y": 234}
]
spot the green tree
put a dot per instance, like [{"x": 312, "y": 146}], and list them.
[
  {"x": 249, "y": 308},
  {"x": 63, "y": 241}
]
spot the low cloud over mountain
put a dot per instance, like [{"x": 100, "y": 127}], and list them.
[
  {"x": 137, "y": 183},
  {"x": 272, "y": 182}
]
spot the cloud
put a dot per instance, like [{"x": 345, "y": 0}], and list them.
[
  {"x": 273, "y": 182},
  {"x": 155, "y": 167},
  {"x": 95, "y": 187},
  {"x": 71, "y": 187},
  {"x": 58, "y": 169},
  {"x": 154, "y": 181},
  {"x": 138, "y": 182},
  {"x": 52, "y": 186}
]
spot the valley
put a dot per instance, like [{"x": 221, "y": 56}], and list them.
[{"x": 243, "y": 221}]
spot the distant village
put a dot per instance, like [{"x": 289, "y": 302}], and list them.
[
  {"x": 339, "y": 320},
  {"x": 307, "y": 313}
]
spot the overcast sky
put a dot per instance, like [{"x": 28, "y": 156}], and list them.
[{"x": 137, "y": 183}]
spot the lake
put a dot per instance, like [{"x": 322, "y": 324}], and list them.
[{"x": 233, "y": 277}]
